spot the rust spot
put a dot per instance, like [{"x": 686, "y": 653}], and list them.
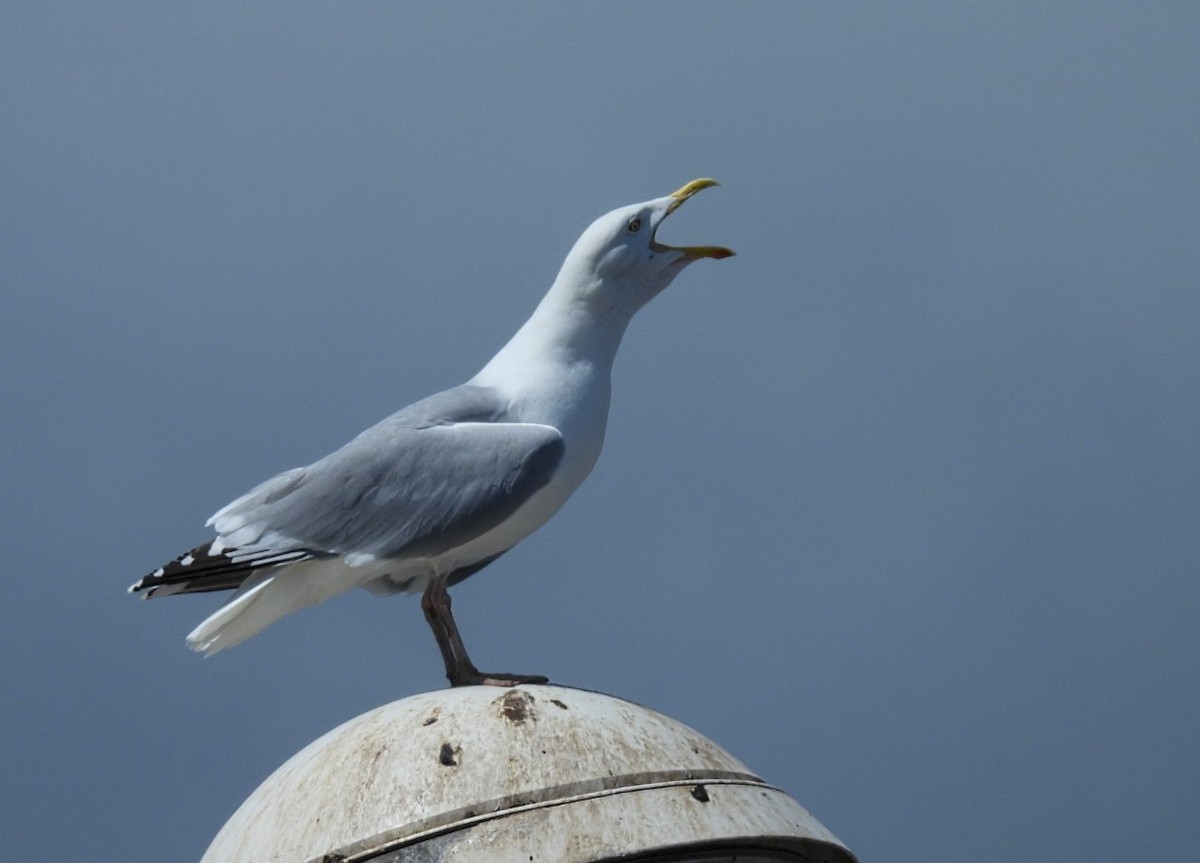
[
  {"x": 558, "y": 703},
  {"x": 700, "y": 793},
  {"x": 517, "y": 706},
  {"x": 447, "y": 756}
]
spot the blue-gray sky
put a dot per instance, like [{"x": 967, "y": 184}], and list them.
[{"x": 906, "y": 495}]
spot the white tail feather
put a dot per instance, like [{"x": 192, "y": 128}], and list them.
[{"x": 258, "y": 604}]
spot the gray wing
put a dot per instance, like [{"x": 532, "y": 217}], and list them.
[{"x": 426, "y": 479}]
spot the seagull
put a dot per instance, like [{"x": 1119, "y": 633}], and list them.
[{"x": 443, "y": 487}]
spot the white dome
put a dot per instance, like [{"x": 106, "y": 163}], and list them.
[{"x": 533, "y": 773}]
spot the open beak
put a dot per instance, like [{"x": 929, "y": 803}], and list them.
[{"x": 691, "y": 252}]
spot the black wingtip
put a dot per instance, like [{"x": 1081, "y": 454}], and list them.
[{"x": 202, "y": 570}]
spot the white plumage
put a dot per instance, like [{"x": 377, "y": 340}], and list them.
[{"x": 443, "y": 487}]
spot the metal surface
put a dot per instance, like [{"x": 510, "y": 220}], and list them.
[{"x": 534, "y": 773}]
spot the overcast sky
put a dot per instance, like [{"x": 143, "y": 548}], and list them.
[{"x": 900, "y": 505}]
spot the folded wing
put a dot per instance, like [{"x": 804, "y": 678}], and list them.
[{"x": 425, "y": 480}]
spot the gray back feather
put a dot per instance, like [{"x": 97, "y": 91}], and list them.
[{"x": 426, "y": 479}]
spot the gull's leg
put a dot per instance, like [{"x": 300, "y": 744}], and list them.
[{"x": 460, "y": 671}]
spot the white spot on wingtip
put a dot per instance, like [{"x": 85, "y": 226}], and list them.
[{"x": 186, "y": 560}]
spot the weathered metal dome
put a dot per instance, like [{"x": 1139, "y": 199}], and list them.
[{"x": 533, "y": 773}]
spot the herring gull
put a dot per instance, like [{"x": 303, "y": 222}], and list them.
[{"x": 443, "y": 487}]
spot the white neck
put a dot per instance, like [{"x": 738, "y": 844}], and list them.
[{"x": 569, "y": 328}]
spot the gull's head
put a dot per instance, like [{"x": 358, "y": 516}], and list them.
[{"x": 619, "y": 261}]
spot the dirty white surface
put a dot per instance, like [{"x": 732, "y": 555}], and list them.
[{"x": 535, "y": 773}]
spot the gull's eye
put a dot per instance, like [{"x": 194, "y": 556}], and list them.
[{"x": 635, "y": 225}]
